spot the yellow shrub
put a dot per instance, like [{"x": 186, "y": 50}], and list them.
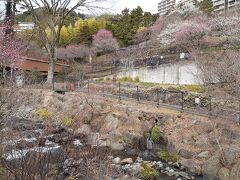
[
  {"x": 67, "y": 121},
  {"x": 43, "y": 113}
]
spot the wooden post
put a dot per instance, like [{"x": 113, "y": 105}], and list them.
[{"x": 158, "y": 98}]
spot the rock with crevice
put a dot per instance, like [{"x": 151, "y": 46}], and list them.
[
  {"x": 204, "y": 154},
  {"x": 192, "y": 165},
  {"x": 110, "y": 123},
  {"x": 231, "y": 154},
  {"x": 223, "y": 174},
  {"x": 235, "y": 172},
  {"x": 211, "y": 167}
]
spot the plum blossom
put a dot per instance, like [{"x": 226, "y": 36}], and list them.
[
  {"x": 104, "y": 41},
  {"x": 9, "y": 50},
  {"x": 191, "y": 31}
]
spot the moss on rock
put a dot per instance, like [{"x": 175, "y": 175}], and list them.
[{"x": 148, "y": 173}]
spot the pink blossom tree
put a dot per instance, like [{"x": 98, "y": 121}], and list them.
[
  {"x": 74, "y": 52},
  {"x": 104, "y": 41},
  {"x": 158, "y": 26},
  {"x": 9, "y": 50},
  {"x": 191, "y": 32}
]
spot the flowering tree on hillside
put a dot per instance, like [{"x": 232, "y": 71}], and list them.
[
  {"x": 9, "y": 51},
  {"x": 191, "y": 32},
  {"x": 75, "y": 52},
  {"x": 143, "y": 34},
  {"x": 104, "y": 41}
]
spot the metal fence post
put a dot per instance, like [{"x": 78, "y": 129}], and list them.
[
  {"x": 119, "y": 91},
  {"x": 103, "y": 91},
  {"x": 164, "y": 96},
  {"x": 88, "y": 87},
  {"x": 138, "y": 94},
  {"x": 158, "y": 98},
  {"x": 210, "y": 105},
  {"x": 182, "y": 102}
]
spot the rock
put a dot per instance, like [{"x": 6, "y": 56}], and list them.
[
  {"x": 149, "y": 144},
  {"x": 77, "y": 143},
  {"x": 211, "y": 167},
  {"x": 116, "y": 160},
  {"x": 235, "y": 172},
  {"x": 184, "y": 175},
  {"x": 202, "y": 141},
  {"x": 140, "y": 160},
  {"x": 110, "y": 124},
  {"x": 186, "y": 153},
  {"x": 192, "y": 166},
  {"x": 231, "y": 154},
  {"x": 116, "y": 146},
  {"x": 133, "y": 139},
  {"x": 83, "y": 130},
  {"x": 176, "y": 165},
  {"x": 136, "y": 167},
  {"x": 171, "y": 148},
  {"x": 127, "y": 161},
  {"x": 110, "y": 157},
  {"x": 204, "y": 154},
  {"x": 223, "y": 174}
]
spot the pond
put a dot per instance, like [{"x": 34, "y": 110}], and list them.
[{"x": 177, "y": 73}]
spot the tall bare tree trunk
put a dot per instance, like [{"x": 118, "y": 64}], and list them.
[{"x": 51, "y": 66}]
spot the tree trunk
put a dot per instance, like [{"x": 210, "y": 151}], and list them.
[{"x": 51, "y": 66}]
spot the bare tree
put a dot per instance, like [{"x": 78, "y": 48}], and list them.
[
  {"x": 51, "y": 14},
  {"x": 220, "y": 68}
]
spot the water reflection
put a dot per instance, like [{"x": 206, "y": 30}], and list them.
[{"x": 177, "y": 73}]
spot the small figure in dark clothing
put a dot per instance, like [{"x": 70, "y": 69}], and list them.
[{"x": 156, "y": 121}]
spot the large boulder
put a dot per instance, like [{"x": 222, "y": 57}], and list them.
[
  {"x": 110, "y": 124},
  {"x": 133, "y": 139},
  {"x": 204, "y": 154},
  {"x": 235, "y": 172},
  {"x": 186, "y": 153},
  {"x": 83, "y": 130},
  {"x": 192, "y": 165},
  {"x": 116, "y": 146},
  {"x": 231, "y": 154},
  {"x": 223, "y": 174},
  {"x": 211, "y": 167}
]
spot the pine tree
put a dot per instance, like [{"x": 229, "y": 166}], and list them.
[{"x": 206, "y": 6}]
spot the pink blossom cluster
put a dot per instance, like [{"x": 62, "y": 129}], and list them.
[
  {"x": 104, "y": 41},
  {"x": 9, "y": 50},
  {"x": 191, "y": 31},
  {"x": 74, "y": 51},
  {"x": 103, "y": 34},
  {"x": 158, "y": 26}
]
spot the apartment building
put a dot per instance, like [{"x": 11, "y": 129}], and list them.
[
  {"x": 187, "y": 4},
  {"x": 225, "y": 6},
  {"x": 165, "y": 6}
]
